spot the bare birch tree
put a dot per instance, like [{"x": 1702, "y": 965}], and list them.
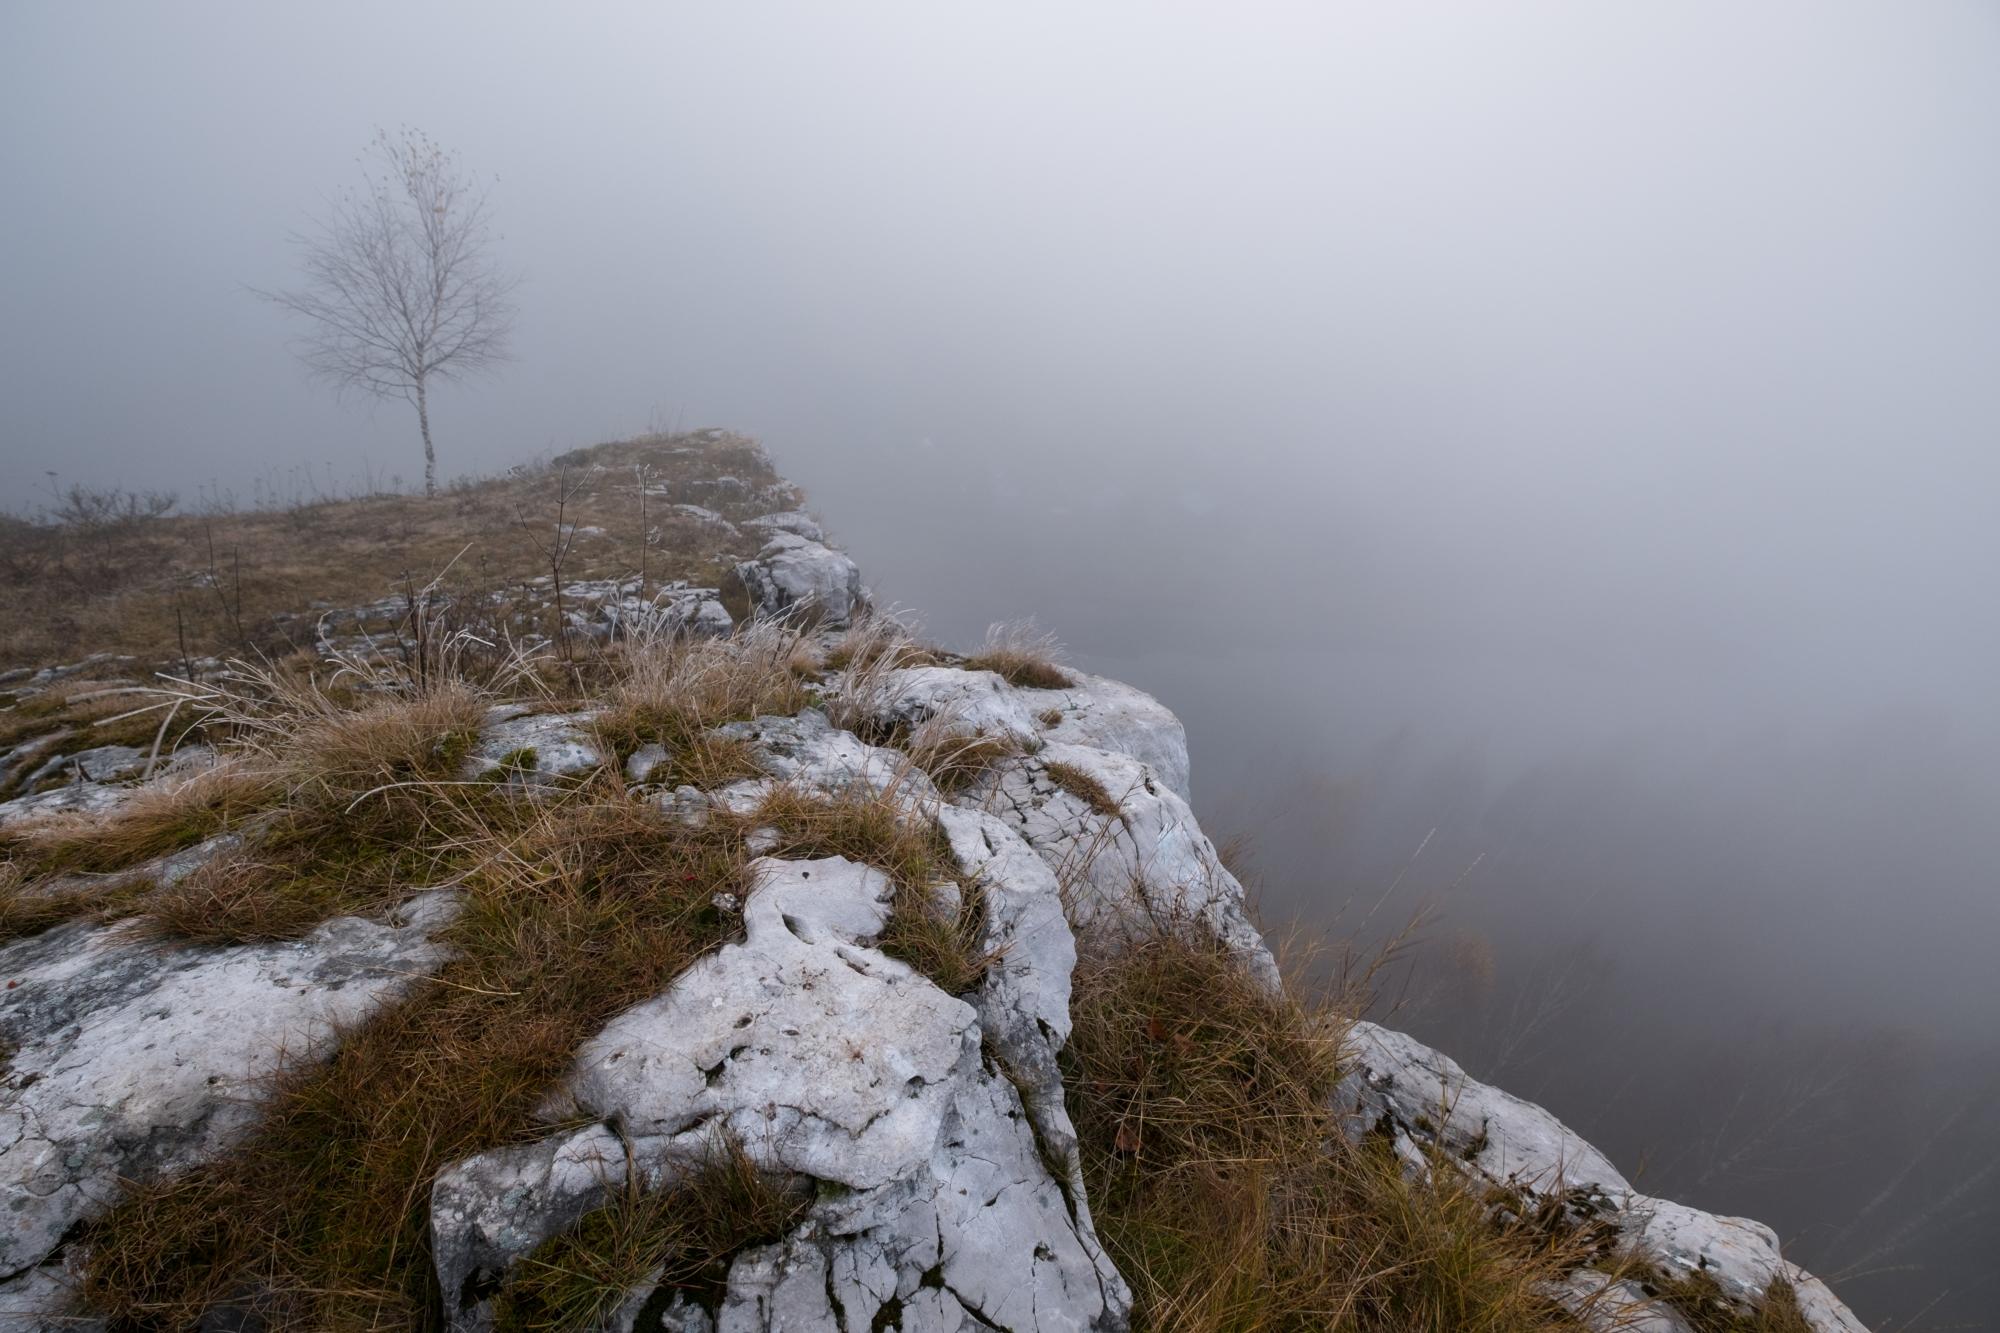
[{"x": 401, "y": 288}]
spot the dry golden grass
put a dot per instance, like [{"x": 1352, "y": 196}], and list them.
[
  {"x": 673, "y": 692},
  {"x": 1084, "y": 787},
  {"x": 1224, "y": 1188},
  {"x": 680, "y": 1238},
  {"x": 1700, "y": 1303},
  {"x": 953, "y": 757},
  {"x": 577, "y": 904},
  {"x": 63, "y": 721},
  {"x": 157, "y": 819},
  {"x": 26, "y": 910},
  {"x": 235, "y": 583},
  {"x": 1023, "y": 656}
]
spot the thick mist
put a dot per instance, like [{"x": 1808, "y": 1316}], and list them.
[{"x": 1559, "y": 437}]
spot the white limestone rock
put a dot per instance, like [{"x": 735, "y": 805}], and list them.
[
  {"x": 45, "y": 1300},
  {"x": 534, "y": 750},
  {"x": 793, "y": 575},
  {"x": 101, "y": 763},
  {"x": 707, "y": 516},
  {"x": 78, "y": 797},
  {"x": 1144, "y": 867},
  {"x": 130, "y": 1061},
  {"x": 809, "y": 750},
  {"x": 1396, "y": 1082},
  {"x": 1093, "y": 711},
  {"x": 823, "y": 1057},
  {"x": 1397, "y": 1085},
  {"x": 795, "y": 521},
  {"x": 489, "y": 1211}
]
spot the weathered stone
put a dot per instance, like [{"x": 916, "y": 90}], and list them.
[
  {"x": 808, "y": 750},
  {"x": 793, "y": 575},
  {"x": 102, "y": 763},
  {"x": 1397, "y": 1085},
  {"x": 820, "y": 1056},
  {"x": 1104, "y": 714},
  {"x": 45, "y": 1300},
  {"x": 130, "y": 1062},
  {"x": 489, "y": 1211},
  {"x": 1147, "y": 867},
  {"x": 795, "y": 521},
  {"x": 77, "y": 797},
  {"x": 535, "y": 750}
]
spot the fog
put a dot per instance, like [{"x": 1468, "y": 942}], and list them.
[{"x": 1556, "y": 436}]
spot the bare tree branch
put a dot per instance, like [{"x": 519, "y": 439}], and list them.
[{"x": 400, "y": 287}]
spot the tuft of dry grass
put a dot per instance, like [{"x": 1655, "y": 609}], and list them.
[
  {"x": 153, "y": 821},
  {"x": 954, "y": 758},
  {"x": 26, "y": 910},
  {"x": 1699, "y": 1301},
  {"x": 939, "y": 933},
  {"x": 878, "y": 642},
  {"x": 1221, "y": 1182},
  {"x": 1084, "y": 787},
  {"x": 368, "y": 807},
  {"x": 680, "y": 1240},
  {"x": 673, "y": 692},
  {"x": 1022, "y": 656}
]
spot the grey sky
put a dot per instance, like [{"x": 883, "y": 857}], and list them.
[{"x": 1603, "y": 394}]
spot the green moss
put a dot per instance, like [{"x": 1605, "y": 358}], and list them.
[{"x": 515, "y": 763}]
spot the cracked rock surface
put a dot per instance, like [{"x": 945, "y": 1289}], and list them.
[
  {"x": 129, "y": 1061},
  {"x": 1147, "y": 864},
  {"x": 799, "y": 575},
  {"x": 821, "y": 1057},
  {"x": 1399, "y": 1086}
]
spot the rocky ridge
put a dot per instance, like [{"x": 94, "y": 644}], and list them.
[{"x": 930, "y": 1128}]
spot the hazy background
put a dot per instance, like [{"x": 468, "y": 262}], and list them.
[{"x": 1558, "y": 436}]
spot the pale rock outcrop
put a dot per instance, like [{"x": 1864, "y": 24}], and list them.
[
  {"x": 78, "y": 797},
  {"x": 129, "y": 1061},
  {"x": 1106, "y": 714},
  {"x": 700, "y": 514},
  {"x": 821, "y": 1057},
  {"x": 793, "y": 575},
  {"x": 533, "y": 749},
  {"x": 1146, "y": 868},
  {"x": 1398, "y": 1086},
  {"x": 100, "y": 763},
  {"x": 44, "y": 1300},
  {"x": 795, "y": 521},
  {"x": 808, "y": 750},
  {"x": 619, "y": 608}
]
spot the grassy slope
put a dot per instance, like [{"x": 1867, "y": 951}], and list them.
[{"x": 236, "y": 582}]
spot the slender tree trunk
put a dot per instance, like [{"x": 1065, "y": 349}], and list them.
[{"x": 430, "y": 454}]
